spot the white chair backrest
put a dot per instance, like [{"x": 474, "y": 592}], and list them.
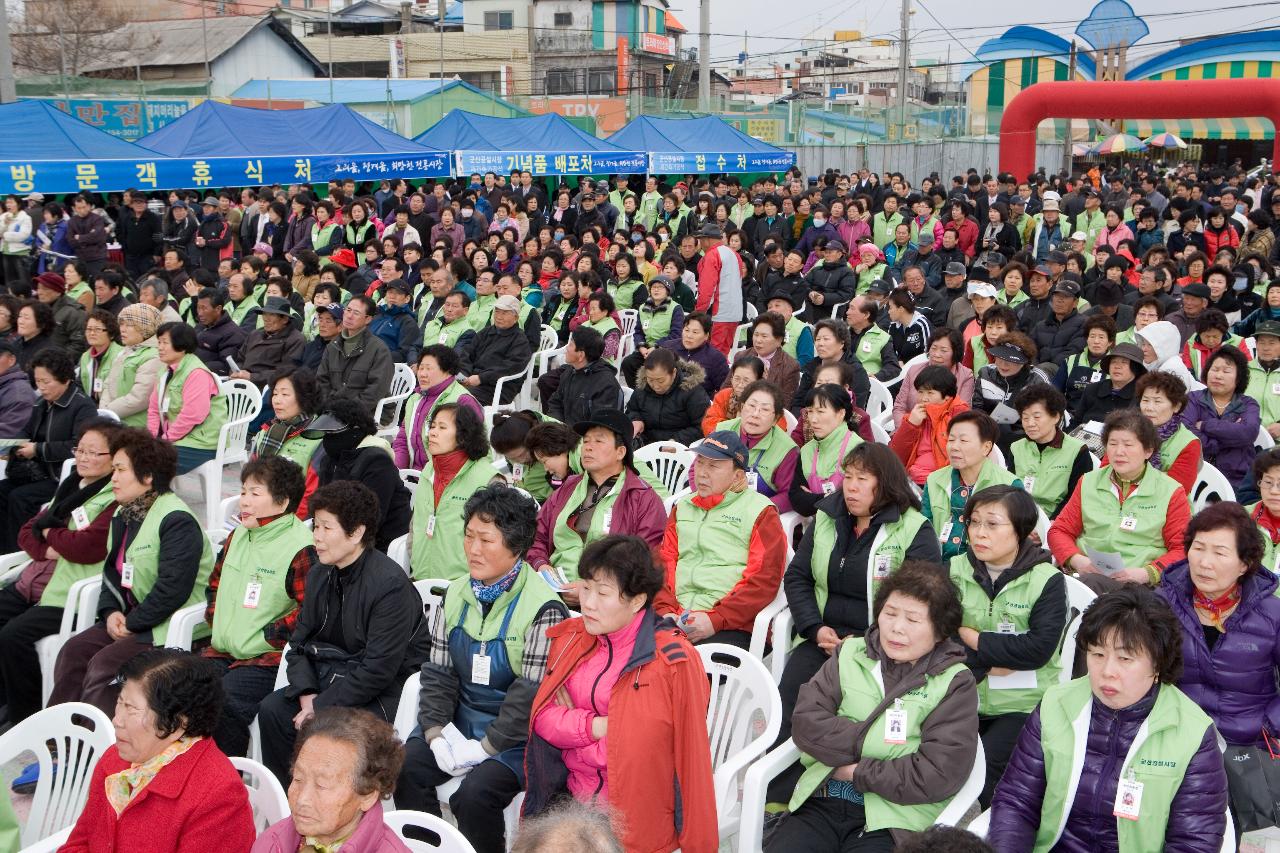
[
  {"x": 879, "y": 433},
  {"x": 410, "y": 478},
  {"x": 72, "y": 735},
  {"x": 880, "y": 403},
  {"x": 450, "y": 839},
  {"x": 792, "y": 421},
  {"x": 744, "y": 716},
  {"x": 967, "y": 796},
  {"x": 669, "y": 503},
  {"x": 244, "y": 402},
  {"x": 398, "y": 551},
  {"x": 67, "y": 468},
  {"x": 431, "y": 590},
  {"x": 913, "y": 361},
  {"x": 1264, "y": 441},
  {"x": 1079, "y": 597},
  {"x": 109, "y": 415},
  {"x": 266, "y": 795},
  {"x": 629, "y": 318},
  {"x": 407, "y": 710},
  {"x": 547, "y": 339},
  {"x": 1211, "y": 486},
  {"x": 996, "y": 455},
  {"x": 11, "y": 565},
  {"x": 670, "y": 462}
]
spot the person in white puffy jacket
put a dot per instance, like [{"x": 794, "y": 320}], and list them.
[
  {"x": 1161, "y": 350},
  {"x": 15, "y": 245}
]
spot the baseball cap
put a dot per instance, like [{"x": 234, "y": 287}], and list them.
[
  {"x": 177, "y": 204},
  {"x": 724, "y": 444},
  {"x": 209, "y": 202},
  {"x": 1067, "y": 288},
  {"x": 982, "y": 288},
  {"x": 834, "y": 246},
  {"x": 398, "y": 284},
  {"x": 711, "y": 230},
  {"x": 7, "y": 345},
  {"x": 992, "y": 258},
  {"x": 1056, "y": 257},
  {"x": 954, "y": 268},
  {"x": 758, "y": 200},
  {"x": 1080, "y": 236},
  {"x": 880, "y": 286},
  {"x": 1267, "y": 327},
  {"x": 334, "y": 310},
  {"x": 1009, "y": 352},
  {"x": 611, "y": 419},
  {"x": 1042, "y": 269},
  {"x": 506, "y": 303},
  {"x": 35, "y": 197}
]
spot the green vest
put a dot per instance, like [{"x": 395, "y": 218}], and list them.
[
  {"x": 452, "y": 393},
  {"x": 1045, "y": 471},
  {"x": 1270, "y": 552},
  {"x": 861, "y": 690},
  {"x": 1011, "y": 607},
  {"x": 791, "y": 337},
  {"x": 205, "y": 434},
  {"x": 1158, "y": 758},
  {"x": 1013, "y": 302},
  {"x": 143, "y": 551},
  {"x": 624, "y": 292},
  {"x": 261, "y": 556},
  {"x": 1174, "y": 445},
  {"x": 533, "y": 594},
  {"x": 767, "y": 455},
  {"x": 567, "y": 543},
  {"x": 89, "y": 376},
  {"x": 916, "y": 228},
  {"x": 438, "y": 554},
  {"x": 882, "y": 228},
  {"x": 130, "y": 360},
  {"x": 65, "y": 572},
  {"x": 239, "y": 312},
  {"x": 297, "y": 450},
  {"x": 1198, "y": 358},
  {"x": 78, "y": 290},
  {"x": 822, "y": 456},
  {"x": 869, "y": 275},
  {"x": 1264, "y": 386},
  {"x": 481, "y": 310},
  {"x": 980, "y": 358},
  {"x": 439, "y": 332},
  {"x": 656, "y": 323},
  {"x": 870, "y": 348},
  {"x": 1107, "y": 525},
  {"x": 888, "y": 551},
  {"x": 937, "y": 497},
  {"x": 713, "y": 546},
  {"x": 1090, "y": 225}
]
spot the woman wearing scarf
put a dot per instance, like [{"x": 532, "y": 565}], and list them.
[
  {"x": 128, "y": 384},
  {"x": 1161, "y": 398},
  {"x": 438, "y": 365},
  {"x": 1266, "y": 512},
  {"x": 164, "y": 786},
  {"x": 158, "y": 561},
  {"x": 498, "y": 612},
  {"x": 295, "y": 399},
  {"x": 102, "y": 334}
]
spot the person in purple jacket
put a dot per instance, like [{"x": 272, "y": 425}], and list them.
[
  {"x": 1226, "y": 419},
  {"x": 609, "y": 497},
  {"x": 1230, "y": 618},
  {"x": 1121, "y": 759}
]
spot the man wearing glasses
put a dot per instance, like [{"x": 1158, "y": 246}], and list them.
[{"x": 357, "y": 364}]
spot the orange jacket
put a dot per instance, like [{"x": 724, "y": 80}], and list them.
[
  {"x": 658, "y": 758},
  {"x": 905, "y": 441}
]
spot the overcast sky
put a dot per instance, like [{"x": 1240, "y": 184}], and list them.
[{"x": 775, "y": 25}]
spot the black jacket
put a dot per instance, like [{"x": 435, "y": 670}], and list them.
[
  {"x": 312, "y": 352},
  {"x": 374, "y": 467},
  {"x": 215, "y": 343},
  {"x": 1099, "y": 399},
  {"x": 1032, "y": 313},
  {"x": 1048, "y": 620},
  {"x": 847, "y": 607},
  {"x": 181, "y": 544},
  {"x": 377, "y": 612},
  {"x": 178, "y": 235},
  {"x": 836, "y": 283},
  {"x": 52, "y": 427},
  {"x": 583, "y": 391},
  {"x": 675, "y": 415},
  {"x": 139, "y": 236},
  {"x": 1056, "y": 338},
  {"x": 496, "y": 353},
  {"x": 217, "y": 236}
]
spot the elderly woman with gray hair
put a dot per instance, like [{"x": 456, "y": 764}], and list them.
[{"x": 345, "y": 765}]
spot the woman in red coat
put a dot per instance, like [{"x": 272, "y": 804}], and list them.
[
  {"x": 962, "y": 222},
  {"x": 164, "y": 786}
]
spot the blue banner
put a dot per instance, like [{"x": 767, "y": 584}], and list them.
[
  {"x": 552, "y": 163},
  {"x": 124, "y": 117},
  {"x": 156, "y": 173},
  {"x": 676, "y": 163}
]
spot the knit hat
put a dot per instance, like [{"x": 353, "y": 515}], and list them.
[
  {"x": 52, "y": 281},
  {"x": 145, "y": 317}
]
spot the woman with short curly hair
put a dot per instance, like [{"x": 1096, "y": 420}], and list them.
[{"x": 164, "y": 785}]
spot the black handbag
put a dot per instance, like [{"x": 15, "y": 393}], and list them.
[
  {"x": 26, "y": 471},
  {"x": 1253, "y": 781}
]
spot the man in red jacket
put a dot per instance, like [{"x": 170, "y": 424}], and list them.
[{"x": 720, "y": 292}]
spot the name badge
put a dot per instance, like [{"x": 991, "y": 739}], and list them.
[
  {"x": 97, "y": 386},
  {"x": 480, "y": 669},
  {"x": 443, "y": 338},
  {"x": 81, "y": 517},
  {"x": 828, "y": 488},
  {"x": 1128, "y": 799},
  {"x": 1005, "y": 628},
  {"x": 431, "y": 526},
  {"x": 880, "y": 569},
  {"x": 895, "y": 725},
  {"x": 1275, "y": 388},
  {"x": 252, "y": 595},
  {"x": 1095, "y": 376},
  {"x": 126, "y": 575},
  {"x": 753, "y": 481},
  {"x": 517, "y": 471},
  {"x": 1129, "y": 523},
  {"x": 866, "y": 346},
  {"x": 946, "y": 532},
  {"x": 164, "y": 404},
  {"x": 1029, "y": 484},
  {"x": 608, "y": 520}
]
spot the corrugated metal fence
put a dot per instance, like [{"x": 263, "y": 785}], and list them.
[{"x": 917, "y": 160}]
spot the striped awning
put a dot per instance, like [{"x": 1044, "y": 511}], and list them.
[{"x": 1208, "y": 128}]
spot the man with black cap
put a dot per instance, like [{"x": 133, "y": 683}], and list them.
[
  {"x": 954, "y": 281},
  {"x": 922, "y": 255},
  {"x": 608, "y": 498},
  {"x": 212, "y": 241},
  {"x": 328, "y": 327},
  {"x": 1264, "y": 375},
  {"x": 277, "y": 344},
  {"x": 717, "y": 578},
  {"x": 1108, "y": 299},
  {"x": 831, "y": 282},
  {"x": 720, "y": 291},
  {"x": 138, "y": 232},
  {"x": 1195, "y": 299},
  {"x": 396, "y": 325},
  {"x": 1037, "y": 308},
  {"x": 1061, "y": 334},
  {"x": 15, "y": 392}
]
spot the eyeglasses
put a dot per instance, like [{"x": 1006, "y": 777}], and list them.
[
  {"x": 1268, "y": 485},
  {"x": 80, "y": 451},
  {"x": 988, "y": 525}
]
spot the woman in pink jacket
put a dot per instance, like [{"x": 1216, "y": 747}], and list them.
[
  {"x": 1115, "y": 232},
  {"x": 347, "y": 763}
]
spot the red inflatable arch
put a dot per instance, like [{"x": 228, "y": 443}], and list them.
[{"x": 1149, "y": 99}]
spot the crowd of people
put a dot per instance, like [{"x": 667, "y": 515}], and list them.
[{"x": 917, "y": 412}]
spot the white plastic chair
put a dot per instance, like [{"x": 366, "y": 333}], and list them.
[
  {"x": 669, "y": 504},
  {"x": 255, "y": 734},
  {"x": 266, "y": 795},
  {"x": 880, "y": 403},
  {"x": 997, "y": 456},
  {"x": 1079, "y": 597},
  {"x": 1210, "y": 486},
  {"x": 967, "y": 796},
  {"x": 51, "y": 844},
  {"x": 398, "y": 551},
  {"x": 109, "y": 415},
  {"x": 521, "y": 381},
  {"x": 244, "y": 402},
  {"x": 451, "y": 840},
  {"x": 741, "y": 694},
  {"x": 390, "y": 407},
  {"x": 431, "y": 591},
  {"x": 740, "y": 341},
  {"x": 78, "y": 613},
  {"x": 879, "y": 433},
  {"x": 792, "y": 421},
  {"x": 763, "y": 625},
  {"x": 755, "y": 786},
  {"x": 11, "y": 565},
  {"x": 670, "y": 462},
  {"x": 1264, "y": 441},
  {"x": 59, "y": 797},
  {"x": 182, "y": 626},
  {"x": 229, "y": 513}
]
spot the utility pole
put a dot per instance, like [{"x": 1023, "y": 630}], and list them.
[
  {"x": 1066, "y": 148},
  {"x": 904, "y": 63},
  {"x": 704, "y": 56},
  {"x": 8, "y": 89},
  {"x": 329, "y": 43},
  {"x": 204, "y": 37}
]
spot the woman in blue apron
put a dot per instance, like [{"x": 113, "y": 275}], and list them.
[{"x": 488, "y": 653}]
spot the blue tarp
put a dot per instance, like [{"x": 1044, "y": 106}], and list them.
[
  {"x": 334, "y": 140},
  {"x": 545, "y": 145},
  {"x": 700, "y": 145}
]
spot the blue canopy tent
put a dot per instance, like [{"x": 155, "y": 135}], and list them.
[
  {"x": 283, "y": 146},
  {"x": 545, "y": 145},
  {"x": 43, "y": 149},
  {"x": 700, "y": 145}
]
